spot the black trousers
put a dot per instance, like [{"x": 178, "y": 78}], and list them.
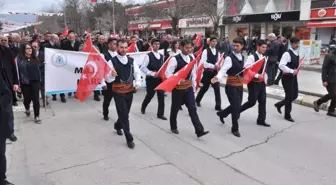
[
  {"x": 206, "y": 80},
  {"x": 235, "y": 96},
  {"x": 31, "y": 93},
  {"x": 290, "y": 85},
  {"x": 108, "y": 95},
  {"x": 256, "y": 92},
  {"x": 3, "y": 160},
  {"x": 186, "y": 97},
  {"x": 271, "y": 72},
  {"x": 123, "y": 103},
  {"x": 151, "y": 84},
  {"x": 331, "y": 88}
]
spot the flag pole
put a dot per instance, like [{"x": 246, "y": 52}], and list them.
[
  {"x": 266, "y": 58},
  {"x": 249, "y": 67}
]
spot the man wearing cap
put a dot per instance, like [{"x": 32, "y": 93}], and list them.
[
  {"x": 210, "y": 58},
  {"x": 329, "y": 81},
  {"x": 289, "y": 64}
]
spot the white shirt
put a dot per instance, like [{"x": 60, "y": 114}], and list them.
[
  {"x": 113, "y": 53},
  {"x": 227, "y": 65},
  {"x": 285, "y": 59},
  {"x": 173, "y": 64},
  {"x": 250, "y": 60},
  {"x": 124, "y": 59},
  {"x": 204, "y": 58},
  {"x": 172, "y": 53},
  {"x": 144, "y": 66}
]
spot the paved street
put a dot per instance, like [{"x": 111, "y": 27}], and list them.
[{"x": 74, "y": 146}]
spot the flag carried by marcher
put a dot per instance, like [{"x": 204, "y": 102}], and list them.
[
  {"x": 199, "y": 40},
  {"x": 94, "y": 71},
  {"x": 132, "y": 48},
  {"x": 300, "y": 64},
  {"x": 88, "y": 45},
  {"x": 150, "y": 48},
  {"x": 252, "y": 70},
  {"x": 162, "y": 70},
  {"x": 199, "y": 73},
  {"x": 65, "y": 32},
  {"x": 220, "y": 61},
  {"x": 169, "y": 84}
]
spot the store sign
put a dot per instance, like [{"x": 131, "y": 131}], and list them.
[
  {"x": 323, "y": 13},
  {"x": 268, "y": 17},
  {"x": 195, "y": 22},
  {"x": 152, "y": 25},
  {"x": 323, "y": 3}
]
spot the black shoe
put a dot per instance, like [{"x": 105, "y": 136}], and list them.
[
  {"x": 96, "y": 98},
  {"x": 264, "y": 124},
  {"x": 63, "y": 100},
  {"x": 202, "y": 133},
  {"x": 119, "y": 132},
  {"x": 5, "y": 182},
  {"x": 19, "y": 95},
  {"x": 236, "y": 133},
  {"x": 37, "y": 120},
  {"x": 54, "y": 98},
  {"x": 27, "y": 112},
  {"x": 221, "y": 118},
  {"x": 175, "y": 131},
  {"x": 290, "y": 119},
  {"x": 198, "y": 104},
  {"x": 130, "y": 144},
  {"x": 316, "y": 106},
  {"x": 12, "y": 138},
  {"x": 15, "y": 104},
  {"x": 162, "y": 117},
  {"x": 143, "y": 110},
  {"x": 278, "y": 108},
  {"x": 106, "y": 118},
  {"x": 333, "y": 114},
  {"x": 218, "y": 108},
  {"x": 69, "y": 94}
]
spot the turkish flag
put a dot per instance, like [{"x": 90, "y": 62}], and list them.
[
  {"x": 94, "y": 71},
  {"x": 65, "y": 32},
  {"x": 162, "y": 70},
  {"x": 87, "y": 32},
  {"x": 93, "y": 1},
  {"x": 199, "y": 40},
  {"x": 132, "y": 48},
  {"x": 300, "y": 64},
  {"x": 150, "y": 48},
  {"x": 199, "y": 52},
  {"x": 252, "y": 70},
  {"x": 88, "y": 45},
  {"x": 199, "y": 75},
  {"x": 169, "y": 84}
]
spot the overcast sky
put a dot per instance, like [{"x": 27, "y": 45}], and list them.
[{"x": 34, "y": 5}]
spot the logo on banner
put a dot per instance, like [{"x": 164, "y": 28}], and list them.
[
  {"x": 322, "y": 12},
  {"x": 59, "y": 60},
  {"x": 276, "y": 16},
  {"x": 236, "y": 19}
]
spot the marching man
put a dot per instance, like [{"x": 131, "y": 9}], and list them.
[
  {"x": 289, "y": 63},
  {"x": 184, "y": 91},
  {"x": 124, "y": 72},
  {"x": 152, "y": 63},
  {"x": 233, "y": 65},
  {"x": 210, "y": 58},
  {"x": 257, "y": 87}
]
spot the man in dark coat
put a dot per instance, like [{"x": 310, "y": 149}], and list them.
[{"x": 9, "y": 67}]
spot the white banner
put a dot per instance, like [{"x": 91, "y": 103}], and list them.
[{"x": 63, "y": 69}]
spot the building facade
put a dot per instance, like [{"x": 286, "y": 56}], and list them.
[
  {"x": 191, "y": 26},
  {"x": 322, "y": 22},
  {"x": 260, "y": 17}
]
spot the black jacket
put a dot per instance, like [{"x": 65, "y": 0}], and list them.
[
  {"x": 329, "y": 68},
  {"x": 8, "y": 65},
  {"x": 103, "y": 48},
  {"x": 5, "y": 105},
  {"x": 15, "y": 49},
  {"x": 55, "y": 46},
  {"x": 66, "y": 45},
  {"x": 28, "y": 70},
  {"x": 273, "y": 51}
]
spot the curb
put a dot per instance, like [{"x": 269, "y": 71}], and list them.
[
  {"x": 314, "y": 69},
  {"x": 303, "y": 99}
]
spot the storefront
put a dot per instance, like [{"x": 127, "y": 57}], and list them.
[
  {"x": 151, "y": 28},
  {"x": 323, "y": 20},
  {"x": 286, "y": 24},
  {"x": 193, "y": 26}
]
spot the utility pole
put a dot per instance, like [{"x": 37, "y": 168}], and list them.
[{"x": 113, "y": 16}]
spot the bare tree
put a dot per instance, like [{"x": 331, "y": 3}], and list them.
[{"x": 211, "y": 9}]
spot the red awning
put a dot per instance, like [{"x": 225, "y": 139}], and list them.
[{"x": 321, "y": 24}]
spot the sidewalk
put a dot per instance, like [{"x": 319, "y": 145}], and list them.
[{"x": 310, "y": 89}]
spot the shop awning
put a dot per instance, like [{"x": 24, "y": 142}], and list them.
[{"x": 321, "y": 24}]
